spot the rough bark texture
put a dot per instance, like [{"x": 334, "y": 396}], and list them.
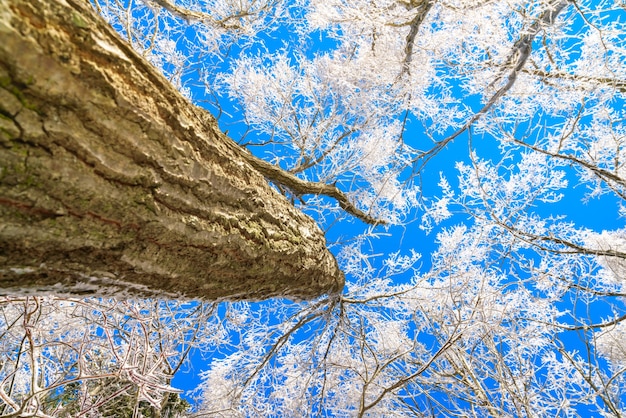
[{"x": 111, "y": 182}]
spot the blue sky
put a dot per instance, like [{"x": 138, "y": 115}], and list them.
[{"x": 599, "y": 213}]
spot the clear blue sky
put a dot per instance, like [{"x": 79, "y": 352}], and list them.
[{"x": 597, "y": 213}]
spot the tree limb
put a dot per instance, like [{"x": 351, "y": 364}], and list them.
[{"x": 302, "y": 187}]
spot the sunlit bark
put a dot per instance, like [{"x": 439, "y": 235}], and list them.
[{"x": 112, "y": 182}]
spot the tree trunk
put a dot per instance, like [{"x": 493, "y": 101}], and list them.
[{"x": 112, "y": 183}]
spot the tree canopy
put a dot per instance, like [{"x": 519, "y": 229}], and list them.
[{"x": 492, "y": 131}]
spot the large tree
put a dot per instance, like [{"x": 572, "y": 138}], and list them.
[
  {"x": 495, "y": 127},
  {"x": 112, "y": 182}
]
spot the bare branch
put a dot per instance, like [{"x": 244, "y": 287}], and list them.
[{"x": 302, "y": 187}]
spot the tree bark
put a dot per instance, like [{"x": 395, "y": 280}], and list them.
[{"x": 112, "y": 183}]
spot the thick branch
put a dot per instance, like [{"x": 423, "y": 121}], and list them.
[
  {"x": 422, "y": 7},
  {"x": 513, "y": 65}
]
